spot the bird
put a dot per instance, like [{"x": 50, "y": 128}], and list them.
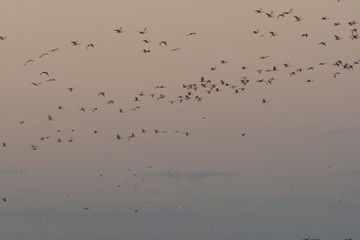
[
  {"x": 273, "y": 34},
  {"x": 146, "y": 51},
  {"x": 337, "y": 37},
  {"x": 46, "y": 73},
  {"x": 50, "y": 118},
  {"x": 70, "y": 89},
  {"x": 44, "y": 54},
  {"x": 2, "y": 38},
  {"x": 270, "y": 15},
  {"x": 34, "y": 147},
  {"x": 143, "y": 31},
  {"x": 259, "y": 10},
  {"x": 298, "y": 19},
  {"x": 264, "y": 101},
  {"x": 322, "y": 43},
  {"x": 163, "y": 42},
  {"x": 28, "y": 61},
  {"x": 191, "y": 34},
  {"x": 120, "y": 30},
  {"x": 89, "y": 45},
  {"x": 36, "y": 84},
  {"x": 74, "y": 43},
  {"x": 4, "y": 199},
  {"x": 101, "y": 94}
]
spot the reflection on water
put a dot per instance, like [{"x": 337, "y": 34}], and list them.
[{"x": 179, "y": 120}]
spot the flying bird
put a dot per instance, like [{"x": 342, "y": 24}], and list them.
[
  {"x": 120, "y": 30},
  {"x": 143, "y": 31}
]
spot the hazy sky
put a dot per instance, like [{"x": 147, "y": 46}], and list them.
[{"x": 195, "y": 159}]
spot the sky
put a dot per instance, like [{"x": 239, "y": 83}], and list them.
[{"x": 227, "y": 131}]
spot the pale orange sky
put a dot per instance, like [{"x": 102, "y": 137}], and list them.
[{"x": 294, "y": 174}]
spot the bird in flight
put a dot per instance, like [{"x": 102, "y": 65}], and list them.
[
  {"x": 46, "y": 73},
  {"x": 74, "y": 43},
  {"x": 120, "y": 30},
  {"x": 298, "y": 19},
  {"x": 143, "y": 31},
  {"x": 28, "y": 61},
  {"x": 2, "y": 38},
  {"x": 89, "y": 45},
  {"x": 163, "y": 42}
]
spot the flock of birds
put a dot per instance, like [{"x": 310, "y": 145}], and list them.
[{"x": 199, "y": 90}]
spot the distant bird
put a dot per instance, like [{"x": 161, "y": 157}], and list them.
[
  {"x": 143, "y": 31},
  {"x": 2, "y": 38},
  {"x": 74, "y": 43},
  {"x": 264, "y": 101},
  {"x": 44, "y": 54},
  {"x": 46, "y": 73},
  {"x": 34, "y": 147},
  {"x": 4, "y": 199},
  {"x": 190, "y": 34},
  {"x": 298, "y": 19},
  {"x": 337, "y": 37},
  {"x": 4, "y": 145},
  {"x": 271, "y": 14},
  {"x": 146, "y": 51},
  {"x": 28, "y": 61},
  {"x": 36, "y": 84},
  {"x": 101, "y": 94},
  {"x": 70, "y": 89},
  {"x": 55, "y": 49},
  {"x": 324, "y": 18},
  {"x": 175, "y": 49},
  {"x": 304, "y": 35},
  {"x": 163, "y": 42},
  {"x": 50, "y": 118},
  {"x": 118, "y": 137},
  {"x": 273, "y": 34},
  {"x": 89, "y": 45},
  {"x": 146, "y": 41},
  {"x": 259, "y": 10},
  {"x": 120, "y": 30},
  {"x": 223, "y": 61},
  {"x": 335, "y": 74},
  {"x": 322, "y": 43}
]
